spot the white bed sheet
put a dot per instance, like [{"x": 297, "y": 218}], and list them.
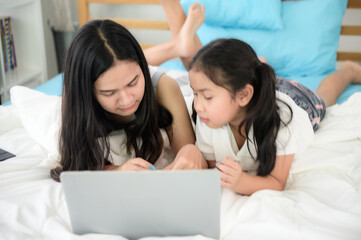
[{"x": 322, "y": 199}]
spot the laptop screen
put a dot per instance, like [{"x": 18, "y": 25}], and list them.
[{"x": 137, "y": 204}]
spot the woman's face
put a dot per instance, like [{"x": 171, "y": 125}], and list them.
[{"x": 120, "y": 89}]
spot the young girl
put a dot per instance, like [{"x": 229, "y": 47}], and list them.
[
  {"x": 251, "y": 122},
  {"x": 114, "y": 114}
]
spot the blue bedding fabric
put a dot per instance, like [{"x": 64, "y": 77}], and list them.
[
  {"x": 52, "y": 87},
  {"x": 303, "y": 49},
  {"x": 259, "y": 14},
  {"x": 302, "y": 46}
]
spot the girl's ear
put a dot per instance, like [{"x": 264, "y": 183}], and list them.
[{"x": 244, "y": 95}]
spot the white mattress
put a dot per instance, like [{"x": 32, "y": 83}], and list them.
[{"x": 322, "y": 199}]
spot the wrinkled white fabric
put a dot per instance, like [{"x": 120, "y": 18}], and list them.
[{"x": 322, "y": 199}]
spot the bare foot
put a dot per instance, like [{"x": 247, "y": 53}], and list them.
[
  {"x": 186, "y": 44},
  {"x": 355, "y": 70},
  {"x": 262, "y": 59}
]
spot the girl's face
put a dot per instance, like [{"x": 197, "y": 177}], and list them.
[
  {"x": 120, "y": 89},
  {"x": 214, "y": 105}
]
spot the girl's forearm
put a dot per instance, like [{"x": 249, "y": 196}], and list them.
[
  {"x": 276, "y": 180},
  {"x": 249, "y": 184}
]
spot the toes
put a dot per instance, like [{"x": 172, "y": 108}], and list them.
[
  {"x": 262, "y": 59},
  {"x": 194, "y": 5}
]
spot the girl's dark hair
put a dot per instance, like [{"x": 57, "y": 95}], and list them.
[
  {"x": 232, "y": 63},
  {"x": 85, "y": 124}
]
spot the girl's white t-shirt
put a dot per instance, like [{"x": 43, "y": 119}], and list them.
[{"x": 291, "y": 139}]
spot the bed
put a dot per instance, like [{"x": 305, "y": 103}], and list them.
[{"x": 322, "y": 198}]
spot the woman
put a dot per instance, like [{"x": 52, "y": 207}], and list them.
[{"x": 108, "y": 94}]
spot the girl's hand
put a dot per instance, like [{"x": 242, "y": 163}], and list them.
[
  {"x": 234, "y": 178},
  {"x": 135, "y": 164},
  {"x": 231, "y": 172}
]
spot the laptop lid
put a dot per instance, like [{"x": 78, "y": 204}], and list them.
[{"x": 136, "y": 204}]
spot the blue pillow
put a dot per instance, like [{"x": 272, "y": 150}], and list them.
[
  {"x": 306, "y": 46},
  {"x": 256, "y": 14}
]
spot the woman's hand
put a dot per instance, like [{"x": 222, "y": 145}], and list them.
[
  {"x": 133, "y": 164},
  {"x": 188, "y": 157},
  {"x": 231, "y": 173}
]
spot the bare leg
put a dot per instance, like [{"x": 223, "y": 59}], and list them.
[
  {"x": 160, "y": 53},
  {"x": 185, "y": 42},
  {"x": 175, "y": 15},
  {"x": 334, "y": 84},
  {"x": 187, "y": 39}
]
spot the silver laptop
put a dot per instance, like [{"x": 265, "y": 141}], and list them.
[{"x": 136, "y": 204}]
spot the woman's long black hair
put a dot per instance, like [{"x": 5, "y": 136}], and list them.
[
  {"x": 85, "y": 125},
  {"x": 232, "y": 63}
]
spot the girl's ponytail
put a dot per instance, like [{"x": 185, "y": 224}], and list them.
[{"x": 263, "y": 114}]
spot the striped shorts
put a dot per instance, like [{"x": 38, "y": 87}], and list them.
[{"x": 304, "y": 98}]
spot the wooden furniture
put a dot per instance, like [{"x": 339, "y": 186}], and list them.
[
  {"x": 347, "y": 30},
  {"x": 84, "y": 16}
]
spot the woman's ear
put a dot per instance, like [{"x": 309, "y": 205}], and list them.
[{"x": 244, "y": 95}]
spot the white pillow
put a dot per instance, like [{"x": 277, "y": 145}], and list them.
[
  {"x": 40, "y": 115},
  {"x": 9, "y": 119}
]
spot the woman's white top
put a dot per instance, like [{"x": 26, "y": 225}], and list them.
[
  {"x": 119, "y": 155},
  {"x": 291, "y": 139}
]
